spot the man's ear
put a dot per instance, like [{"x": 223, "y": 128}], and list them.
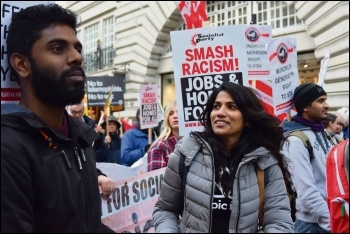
[{"x": 21, "y": 64}]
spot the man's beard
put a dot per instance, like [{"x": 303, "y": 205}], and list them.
[{"x": 52, "y": 88}]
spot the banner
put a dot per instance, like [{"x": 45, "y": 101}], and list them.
[{"x": 129, "y": 209}]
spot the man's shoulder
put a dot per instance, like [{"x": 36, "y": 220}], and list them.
[
  {"x": 292, "y": 126},
  {"x": 88, "y": 120},
  {"x": 132, "y": 132}
]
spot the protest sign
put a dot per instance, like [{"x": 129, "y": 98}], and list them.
[
  {"x": 203, "y": 59},
  {"x": 257, "y": 38},
  {"x": 160, "y": 111},
  {"x": 98, "y": 88},
  {"x": 323, "y": 69},
  {"x": 10, "y": 90},
  {"x": 149, "y": 106},
  {"x": 264, "y": 89},
  {"x": 284, "y": 72}
]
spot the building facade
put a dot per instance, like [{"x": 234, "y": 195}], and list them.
[{"x": 133, "y": 37}]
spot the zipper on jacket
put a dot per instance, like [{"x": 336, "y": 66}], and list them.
[
  {"x": 82, "y": 153},
  {"x": 77, "y": 156},
  {"x": 239, "y": 199},
  {"x": 66, "y": 159},
  {"x": 213, "y": 178}
]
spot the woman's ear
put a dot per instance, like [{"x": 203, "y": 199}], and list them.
[{"x": 21, "y": 64}]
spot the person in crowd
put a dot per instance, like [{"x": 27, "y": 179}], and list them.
[
  {"x": 344, "y": 111},
  {"x": 341, "y": 125},
  {"x": 107, "y": 147},
  {"x": 220, "y": 193},
  {"x": 135, "y": 142},
  {"x": 333, "y": 124},
  {"x": 77, "y": 111},
  {"x": 308, "y": 171},
  {"x": 158, "y": 153},
  {"x": 48, "y": 169}
]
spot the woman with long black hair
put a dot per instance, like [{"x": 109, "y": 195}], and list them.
[{"x": 221, "y": 193}]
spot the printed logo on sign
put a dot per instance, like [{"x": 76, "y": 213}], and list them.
[
  {"x": 282, "y": 53},
  {"x": 149, "y": 88},
  {"x": 199, "y": 37},
  {"x": 252, "y": 34}
]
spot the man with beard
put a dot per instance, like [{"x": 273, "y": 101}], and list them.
[
  {"x": 48, "y": 168},
  {"x": 308, "y": 165}
]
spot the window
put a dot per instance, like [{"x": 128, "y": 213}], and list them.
[
  {"x": 227, "y": 12},
  {"x": 90, "y": 47},
  {"x": 107, "y": 44},
  {"x": 90, "y": 38},
  {"x": 108, "y": 32},
  {"x": 278, "y": 14}
]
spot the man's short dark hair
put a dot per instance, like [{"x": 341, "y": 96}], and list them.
[{"x": 26, "y": 27}]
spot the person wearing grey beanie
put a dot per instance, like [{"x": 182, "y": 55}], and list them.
[{"x": 308, "y": 167}]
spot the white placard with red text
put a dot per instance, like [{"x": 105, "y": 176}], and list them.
[
  {"x": 149, "y": 106},
  {"x": 203, "y": 59},
  {"x": 258, "y": 36},
  {"x": 282, "y": 54}
]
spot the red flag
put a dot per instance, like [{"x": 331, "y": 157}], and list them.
[
  {"x": 126, "y": 125},
  {"x": 193, "y": 13}
]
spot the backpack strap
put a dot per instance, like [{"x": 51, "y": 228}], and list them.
[
  {"x": 261, "y": 184},
  {"x": 305, "y": 140},
  {"x": 346, "y": 159}
]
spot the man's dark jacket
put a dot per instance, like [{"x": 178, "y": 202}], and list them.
[
  {"x": 47, "y": 187},
  {"x": 89, "y": 121}
]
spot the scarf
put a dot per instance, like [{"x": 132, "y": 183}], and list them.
[{"x": 316, "y": 127}]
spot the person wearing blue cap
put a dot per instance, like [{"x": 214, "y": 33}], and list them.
[{"x": 309, "y": 171}]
